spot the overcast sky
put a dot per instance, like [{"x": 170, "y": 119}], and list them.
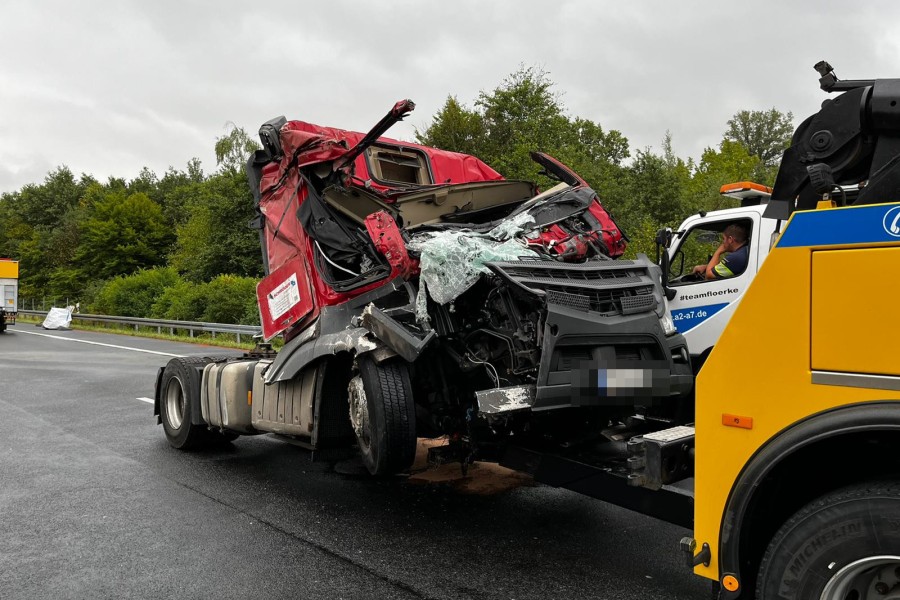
[{"x": 110, "y": 87}]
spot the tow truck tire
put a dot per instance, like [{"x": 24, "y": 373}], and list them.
[
  {"x": 844, "y": 545},
  {"x": 387, "y": 442},
  {"x": 180, "y": 386}
]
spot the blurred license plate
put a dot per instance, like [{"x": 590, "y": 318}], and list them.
[{"x": 624, "y": 379}]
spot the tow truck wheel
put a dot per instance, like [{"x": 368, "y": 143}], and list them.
[
  {"x": 179, "y": 387},
  {"x": 843, "y": 546},
  {"x": 383, "y": 416}
]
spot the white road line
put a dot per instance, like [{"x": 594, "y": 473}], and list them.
[
  {"x": 57, "y": 337},
  {"x": 147, "y": 400}
]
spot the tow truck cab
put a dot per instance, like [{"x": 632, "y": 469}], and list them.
[{"x": 701, "y": 308}]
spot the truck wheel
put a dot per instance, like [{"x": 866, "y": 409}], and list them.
[
  {"x": 383, "y": 416},
  {"x": 180, "y": 386},
  {"x": 843, "y": 546}
]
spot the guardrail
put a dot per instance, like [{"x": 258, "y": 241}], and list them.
[{"x": 160, "y": 324}]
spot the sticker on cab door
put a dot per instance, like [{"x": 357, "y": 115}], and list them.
[
  {"x": 284, "y": 297},
  {"x": 687, "y": 318}
]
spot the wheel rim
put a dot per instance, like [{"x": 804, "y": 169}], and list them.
[
  {"x": 359, "y": 412},
  {"x": 866, "y": 579},
  {"x": 175, "y": 403}
]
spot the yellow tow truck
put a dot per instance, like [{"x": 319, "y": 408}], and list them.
[
  {"x": 797, "y": 456},
  {"x": 789, "y": 471}
]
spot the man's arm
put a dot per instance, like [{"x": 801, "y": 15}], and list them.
[
  {"x": 716, "y": 258},
  {"x": 708, "y": 270}
]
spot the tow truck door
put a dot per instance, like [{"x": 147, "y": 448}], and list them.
[{"x": 701, "y": 308}]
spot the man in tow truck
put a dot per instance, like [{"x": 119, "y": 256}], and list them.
[{"x": 734, "y": 242}]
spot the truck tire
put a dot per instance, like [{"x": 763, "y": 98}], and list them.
[
  {"x": 383, "y": 416},
  {"x": 179, "y": 391},
  {"x": 844, "y": 545}
]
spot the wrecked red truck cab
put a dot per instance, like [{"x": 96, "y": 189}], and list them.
[{"x": 420, "y": 293}]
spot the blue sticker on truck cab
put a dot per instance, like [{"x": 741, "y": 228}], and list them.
[
  {"x": 843, "y": 226},
  {"x": 687, "y": 318}
]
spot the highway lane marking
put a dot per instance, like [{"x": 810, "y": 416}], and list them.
[
  {"x": 147, "y": 400},
  {"x": 57, "y": 337}
]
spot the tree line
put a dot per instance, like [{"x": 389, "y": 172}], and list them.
[{"x": 178, "y": 245}]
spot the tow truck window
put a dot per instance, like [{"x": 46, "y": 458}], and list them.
[{"x": 697, "y": 248}]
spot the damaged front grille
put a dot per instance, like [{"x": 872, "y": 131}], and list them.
[
  {"x": 576, "y": 301},
  {"x": 617, "y": 288}
]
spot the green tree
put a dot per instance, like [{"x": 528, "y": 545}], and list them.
[
  {"x": 134, "y": 295},
  {"x": 729, "y": 163},
  {"x": 38, "y": 227},
  {"x": 521, "y": 115},
  {"x": 44, "y": 205},
  {"x": 657, "y": 185},
  {"x": 146, "y": 183},
  {"x": 454, "y": 128},
  {"x": 215, "y": 238},
  {"x": 234, "y": 148},
  {"x": 181, "y": 301},
  {"x": 763, "y": 133},
  {"x": 231, "y": 299},
  {"x": 175, "y": 189},
  {"x": 121, "y": 234},
  {"x": 655, "y": 193},
  {"x": 224, "y": 299},
  {"x": 14, "y": 228},
  {"x": 597, "y": 145}
]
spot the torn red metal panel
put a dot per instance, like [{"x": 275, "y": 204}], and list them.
[{"x": 388, "y": 241}]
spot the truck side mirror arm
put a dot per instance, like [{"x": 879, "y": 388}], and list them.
[{"x": 663, "y": 240}]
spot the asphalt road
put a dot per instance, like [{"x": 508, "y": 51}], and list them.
[{"x": 95, "y": 504}]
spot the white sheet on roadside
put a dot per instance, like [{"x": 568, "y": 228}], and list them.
[{"x": 58, "y": 318}]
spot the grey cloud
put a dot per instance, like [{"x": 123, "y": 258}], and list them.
[{"x": 108, "y": 88}]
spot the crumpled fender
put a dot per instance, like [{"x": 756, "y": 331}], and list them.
[
  {"x": 337, "y": 329},
  {"x": 289, "y": 362}
]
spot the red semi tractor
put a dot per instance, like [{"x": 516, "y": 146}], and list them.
[{"x": 421, "y": 294}]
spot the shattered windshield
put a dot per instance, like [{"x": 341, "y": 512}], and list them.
[{"x": 451, "y": 261}]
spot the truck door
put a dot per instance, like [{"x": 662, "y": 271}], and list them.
[{"x": 701, "y": 308}]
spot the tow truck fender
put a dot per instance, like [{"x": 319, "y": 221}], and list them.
[{"x": 751, "y": 485}]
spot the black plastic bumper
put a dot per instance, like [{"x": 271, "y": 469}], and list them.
[{"x": 588, "y": 360}]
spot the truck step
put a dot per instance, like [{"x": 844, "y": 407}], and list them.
[{"x": 661, "y": 457}]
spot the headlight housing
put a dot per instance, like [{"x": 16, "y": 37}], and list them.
[{"x": 668, "y": 325}]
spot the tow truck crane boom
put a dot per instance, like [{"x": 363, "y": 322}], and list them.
[{"x": 855, "y": 136}]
